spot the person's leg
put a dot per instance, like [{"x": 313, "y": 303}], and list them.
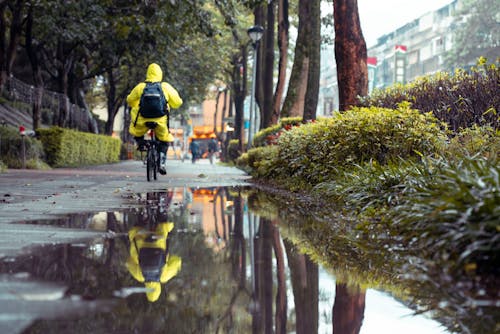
[
  {"x": 165, "y": 138},
  {"x": 141, "y": 143},
  {"x": 163, "y": 148},
  {"x": 138, "y": 130}
]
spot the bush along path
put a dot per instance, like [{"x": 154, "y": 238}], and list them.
[{"x": 401, "y": 182}]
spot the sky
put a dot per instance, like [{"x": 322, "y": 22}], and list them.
[{"x": 379, "y": 17}]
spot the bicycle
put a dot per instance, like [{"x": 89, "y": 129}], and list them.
[{"x": 152, "y": 155}]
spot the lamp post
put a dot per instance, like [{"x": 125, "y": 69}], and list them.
[{"x": 255, "y": 34}]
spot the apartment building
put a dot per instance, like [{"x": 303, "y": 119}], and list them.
[
  {"x": 417, "y": 48},
  {"x": 413, "y": 50}
]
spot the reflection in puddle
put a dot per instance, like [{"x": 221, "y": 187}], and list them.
[
  {"x": 149, "y": 260},
  {"x": 203, "y": 261}
]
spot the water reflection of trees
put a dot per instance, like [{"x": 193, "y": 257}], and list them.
[
  {"x": 378, "y": 259},
  {"x": 239, "y": 284},
  {"x": 304, "y": 279}
]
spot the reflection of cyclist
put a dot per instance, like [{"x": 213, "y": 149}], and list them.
[
  {"x": 138, "y": 126},
  {"x": 149, "y": 261}
]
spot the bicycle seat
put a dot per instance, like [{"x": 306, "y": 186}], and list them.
[{"x": 151, "y": 125}]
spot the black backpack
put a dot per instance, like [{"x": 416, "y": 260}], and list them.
[{"x": 153, "y": 103}]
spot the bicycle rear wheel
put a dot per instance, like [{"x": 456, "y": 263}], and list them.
[
  {"x": 155, "y": 162},
  {"x": 151, "y": 164}
]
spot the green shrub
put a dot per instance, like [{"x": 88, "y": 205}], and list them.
[
  {"x": 11, "y": 149},
  {"x": 460, "y": 99},
  {"x": 69, "y": 148},
  {"x": 270, "y": 135},
  {"x": 314, "y": 152},
  {"x": 476, "y": 140},
  {"x": 443, "y": 209},
  {"x": 233, "y": 150},
  {"x": 451, "y": 208},
  {"x": 260, "y": 162}
]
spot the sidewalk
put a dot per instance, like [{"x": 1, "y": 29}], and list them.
[{"x": 27, "y": 195}]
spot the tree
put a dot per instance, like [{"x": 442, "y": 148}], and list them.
[
  {"x": 138, "y": 36},
  {"x": 234, "y": 23},
  {"x": 350, "y": 53},
  {"x": 305, "y": 286},
  {"x": 33, "y": 52},
  {"x": 297, "y": 85},
  {"x": 70, "y": 44},
  {"x": 283, "y": 26},
  {"x": 348, "y": 309},
  {"x": 11, "y": 25},
  {"x": 311, "y": 98},
  {"x": 476, "y": 33},
  {"x": 59, "y": 38}
]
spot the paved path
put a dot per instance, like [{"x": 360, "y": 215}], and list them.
[{"x": 27, "y": 195}]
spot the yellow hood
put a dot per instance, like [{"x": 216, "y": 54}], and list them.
[
  {"x": 154, "y": 290},
  {"x": 154, "y": 73}
]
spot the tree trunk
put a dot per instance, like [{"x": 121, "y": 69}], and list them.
[
  {"x": 262, "y": 320},
  {"x": 37, "y": 72},
  {"x": 283, "y": 25},
  {"x": 239, "y": 89},
  {"x": 281, "y": 300},
  {"x": 111, "y": 98},
  {"x": 311, "y": 98},
  {"x": 305, "y": 287},
  {"x": 297, "y": 85},
  {"x": 350, "y": 53},
  {"x": 259, "y": 87},
  {"x": 348, "y": 309},
  {"x": 64, "y": 65},
  {"x": 8, "y": 50},
  {"x": 3, "y": 32},
  {"x": 268, "y": 68},
  {"x": 217, "y": 97},
  {"x": 238, "y": 243}
]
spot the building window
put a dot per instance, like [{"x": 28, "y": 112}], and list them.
[
  {"x": 413, "y": 57},
  {"x": 438, "y": 45}
]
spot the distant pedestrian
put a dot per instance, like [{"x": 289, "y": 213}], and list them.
[
  {"x": 195, "y": 150},
  {"x": 212, "y": 148},
  {"x": 177, "y": 149}
]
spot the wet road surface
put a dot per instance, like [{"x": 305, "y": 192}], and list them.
[
  {"x": 102, "y": 250},
  {"x": 26, "y": 195}
]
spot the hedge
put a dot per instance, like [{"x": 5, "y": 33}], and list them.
[{"x": 70, "y": 148}]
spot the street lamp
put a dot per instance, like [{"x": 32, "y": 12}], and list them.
[{"x": 255, "y": 34}]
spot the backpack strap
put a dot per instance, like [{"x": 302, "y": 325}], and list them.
[{"x": 136, "y": 117}]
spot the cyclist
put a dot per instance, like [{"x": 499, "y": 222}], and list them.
[{"x": 138, "y": 123}]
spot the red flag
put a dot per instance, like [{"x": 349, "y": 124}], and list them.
[
  {"x": 400, "y": 48},
  {"x": 371, "y": 61}
]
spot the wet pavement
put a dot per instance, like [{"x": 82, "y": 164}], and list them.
[
  {"x": 27, "y": 195},
  {"x": 34, "y": 196},
  {"x": 220, "y": 275},
  {"x": 102, "y": 250}
]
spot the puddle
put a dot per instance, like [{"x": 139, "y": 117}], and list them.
[{"x": 221, "y": 262}]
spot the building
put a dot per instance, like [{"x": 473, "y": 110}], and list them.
[
  {"x": 328, "y": 88},
  {"x": 413, "y": 50}
]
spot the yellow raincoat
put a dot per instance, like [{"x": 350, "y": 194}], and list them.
[
  {"x": 139, "y": 128},
  {"x": 141, "y": 238}
]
